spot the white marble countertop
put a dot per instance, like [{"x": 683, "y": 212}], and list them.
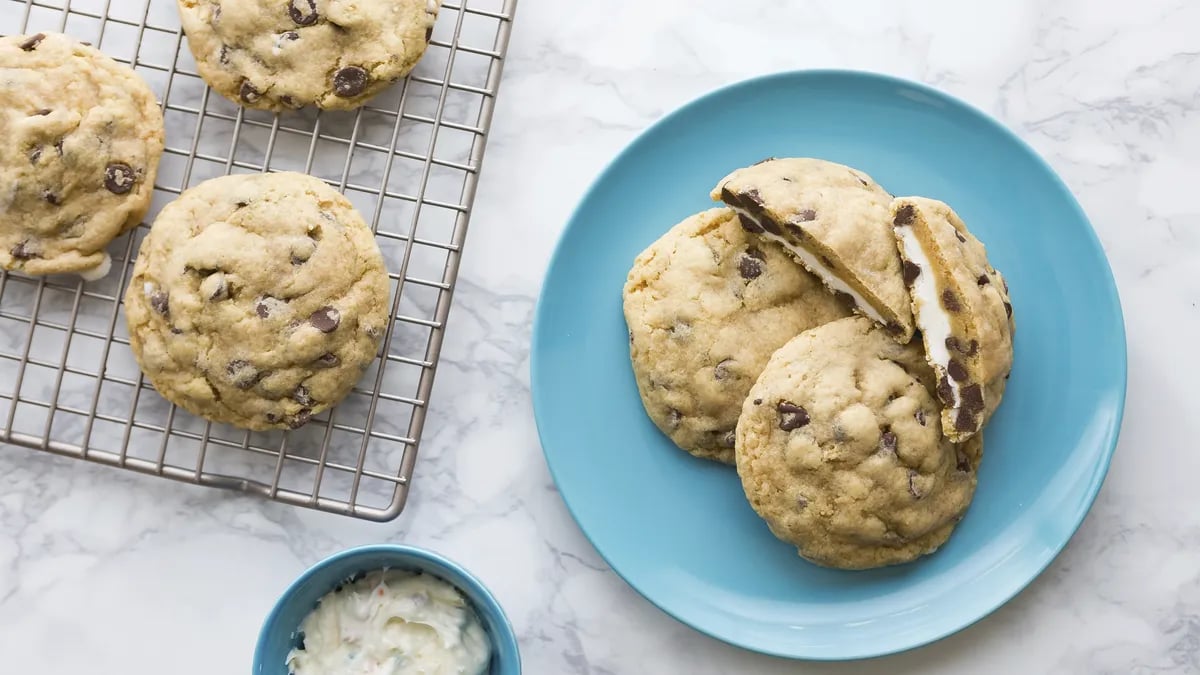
[{"x": 102, "y": 571}]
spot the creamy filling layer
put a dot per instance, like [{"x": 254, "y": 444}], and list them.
[
  {"x": 99, "y": 271},
  {"x": 821, "y": 270},
  {"x": 931, "y": 318}
]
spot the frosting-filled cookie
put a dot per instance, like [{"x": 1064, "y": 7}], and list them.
[
  {"x": 834, "y": 220},
  {"x": 706, "y": 305},
  {"x": 962, "y": 307},
  {"x": 257, "y": 300},
  {"x": 80, "y": 140},
  {"x": 281, "y": 54},
  {"x": 840, "y": 449}
]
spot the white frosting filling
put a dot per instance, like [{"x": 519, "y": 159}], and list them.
[
  {"x": 931, "y": 318},
  {"x": 392, "y": 623},
  {"x": 99, "y": 271},
  {"x": 814, "y": 265}
]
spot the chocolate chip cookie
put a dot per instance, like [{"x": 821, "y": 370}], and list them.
[
  {"x": 840, "y": 449},
  {"x": 80, "y": 140},
  {"x": 834, "y": 220},
  {"x": 257, "y": 300},
  {"x": 282, "y": 54},
  {"x": 962, "y": 307},
  {"x": 706, "y": 305}
]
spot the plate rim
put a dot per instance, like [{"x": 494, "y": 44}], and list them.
[{"x": 1107, "y": 283}]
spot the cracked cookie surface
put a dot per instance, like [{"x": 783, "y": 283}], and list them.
[
  {"x": 962, "y": 307},
  {"x": 706, "y": 305},
  {"x": 834, "y": 221},
  {"x": 840, "y": 449},
  {"x": 257, "y": 300},
  {"x": 284, "y": 54},
  {"x": 80, "y": 140}
]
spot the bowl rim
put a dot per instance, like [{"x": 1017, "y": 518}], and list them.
[
  {"x": 1112, "y": 431},
  {"x": 479, "y": 596}
]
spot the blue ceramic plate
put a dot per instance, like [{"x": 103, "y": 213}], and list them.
[{"x": 679, "y": 529}]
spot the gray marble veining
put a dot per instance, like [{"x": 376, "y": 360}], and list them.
[{"x": 136, "y": 574}]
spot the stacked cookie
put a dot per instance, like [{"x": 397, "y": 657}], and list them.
[
  {"x": 256, "y": 300},
  {"x": 842, "y": 347}
]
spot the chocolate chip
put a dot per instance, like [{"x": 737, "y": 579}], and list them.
[
  {"x": 862, "y": 180},
  {"x": 801, "y": 503},
  {"x": 262, "y": 308},
  {"x": 429, "y": 34},
  {"x": 349, "y": 81},
  {"x": 770, "y": 225},
  {"x": 289, "y": 101},
  {"x": 289, "y": 36},
  {"x": 32, "y": 43},
  {"x": 51, "y": 198},
  {"x": 893, "y": 328},
  {"x": 957, "y": 345},
  {"x": 302, "y": 396},
  {"x": 960, "y": 236},
  {"x": 749, "y": 265},
  {"x": 905, "y": 216},
  {"x": 912, "y": 484},
  {"x": 303, "y": 12},
  {"x": 119, "y": 178},
  {"x": 950, "y": 301},
  {"x": 223, "y": 57},
  {"x": 887, "y": 442},
  {"x": 721, "y": 370},
  {"x": 35, "y": 153},
  {"x": 726, "y": 439},
  {"x": 752, "y": 195},
  {"x": 243, "y": 374},
  {"x": 945, "y": 392},
  {"x": 176, "y": 331},
  {"x": 763, "y": 161},
  {"x": 826, "y": 261},
  {"x": 972, "y": 398},
  {"x": 58, "y": 147},
  {"x": 248, "y": 93},
  {"x": 758, "y": 401},
  {"x": 791, "y": 416},
  {"x": 844, "y": 298},
  {"x": 300, "y": 418},
  {"x": 964, "y": 420},
  {"x": 911, "y": 272},
  {"x": 956, "y": 370},
  {"x": 1008, "y": 309},
  {"x": 920, "y": 416},
  {"x": 630, "y": 337},
  {"x": 325, "y": 319},
  {"x": 804, "y": 216},
  {"x": 41, "y": 113},
  {"x": 785, "y": 179},
  {"x": 25, "y": 251},
  {"x": 749, "y": 225},
  {"x": 328, "y": 360},
  {"x": 160, "y": 302},
  {"x": 795, "y": 230},
  {"x": 674, "y": 417},
  {"x": 983, "y": 280}
]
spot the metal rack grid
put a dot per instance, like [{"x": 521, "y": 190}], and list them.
[{"x": 409, "y": 161}]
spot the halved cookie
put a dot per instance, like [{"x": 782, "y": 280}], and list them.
[
  {"x": 834, "y": 220},
  {"x": 962, "y": 307}
]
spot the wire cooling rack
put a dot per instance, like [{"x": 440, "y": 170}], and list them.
[{"x": 409, "y": 161}]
